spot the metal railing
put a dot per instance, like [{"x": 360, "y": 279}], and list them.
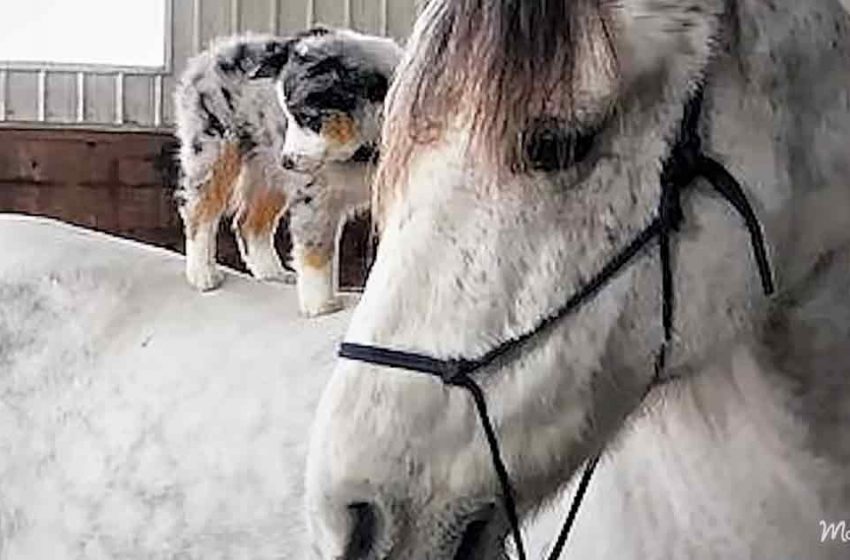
[{"x": 138, "y": 98}]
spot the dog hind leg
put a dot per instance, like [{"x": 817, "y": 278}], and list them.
[
  {"x": 201, "y": 215},
  {"x": 256, "y": 227}
]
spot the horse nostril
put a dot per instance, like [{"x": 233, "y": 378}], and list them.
[
  {"x": 287, "y": 162},
  {"x": 471, "y": 540},
  {"x": 364, "y": 531}
]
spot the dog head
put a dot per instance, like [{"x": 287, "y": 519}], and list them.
[{"x": 331, "y": 86}]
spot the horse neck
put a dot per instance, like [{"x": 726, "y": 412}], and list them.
[
  {"x": 777, "y": 116},
  {"x": 717, "y": 462},
  {"x": 778, "y": 100}
]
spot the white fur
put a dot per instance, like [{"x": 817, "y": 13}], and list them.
[
  {"x": 316, "y": 291},
  {"x": 140, "y": 422},
  {"x": 201, "y": 269},
  {"x": 740, "y": 459}
]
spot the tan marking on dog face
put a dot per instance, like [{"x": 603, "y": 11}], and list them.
[
  {"x": 315, "y": 258},
  {"x": 339, "y": 129},
  {"x": 215, "y": 195},
  {"x": 263, "y": 211}
]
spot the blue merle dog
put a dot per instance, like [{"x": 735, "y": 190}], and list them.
[{"x": 269, "y": 125}]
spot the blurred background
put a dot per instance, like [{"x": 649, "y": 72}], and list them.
[{"x": 86, "y": 108}]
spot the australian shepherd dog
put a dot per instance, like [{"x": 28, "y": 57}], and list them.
[{"x": 269, "y": 125}]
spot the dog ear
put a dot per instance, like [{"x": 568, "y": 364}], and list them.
[{"x": 273, "y": 60}]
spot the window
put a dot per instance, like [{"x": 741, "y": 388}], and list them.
[{"x": 85, "y": 33}]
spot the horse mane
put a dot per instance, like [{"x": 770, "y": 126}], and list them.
[{"x": 494, "y": 69}]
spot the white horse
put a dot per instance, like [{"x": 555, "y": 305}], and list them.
[
  {"x": 522, "y": 149},
  {"x": 140, "y": 420}
]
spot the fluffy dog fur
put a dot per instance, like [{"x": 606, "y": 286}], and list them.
[{"x": 248, "y": 104}]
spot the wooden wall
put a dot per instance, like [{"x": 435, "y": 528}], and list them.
[{"x": 123, "y": 184}]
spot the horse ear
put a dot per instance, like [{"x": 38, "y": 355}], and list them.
[{"x": 273, "y": 61}]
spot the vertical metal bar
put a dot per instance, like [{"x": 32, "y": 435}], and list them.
[
  {"x": 385, "y": 16},
  {"x": 311, "y": 13},
  {"x": 234, "y": 15},
  {"x": 274, "y": 14},
  {"x": 42, "y": 95},
  {"x": 119, "y": 98},
  {"x": 347, "y": 17},
  {"x": 157, "y": 100},
  {"x": 81, "y": 97},
  {"x": 196, "y": 26},
  {"x": 3, "y": 89}
]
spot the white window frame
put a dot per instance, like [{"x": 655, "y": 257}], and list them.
[{"x": 94, "y": 68}]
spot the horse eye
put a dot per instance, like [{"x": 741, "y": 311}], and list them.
[{"x": 550, "y": 146}]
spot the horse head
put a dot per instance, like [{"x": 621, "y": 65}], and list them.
[{"x": 524, "y": 147}]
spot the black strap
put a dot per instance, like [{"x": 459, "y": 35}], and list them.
[
  {"x": 450, "y": 369},
  {"x": 561, "y": 541},
  {"x": 685, "y": 163},
  {"x": 447, "y": 370},
  {"x": 730, "y": 189},
  {"x": 496, "y": 455}
]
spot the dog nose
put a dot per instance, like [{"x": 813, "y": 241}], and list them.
[{"x": 287, "y": 162}]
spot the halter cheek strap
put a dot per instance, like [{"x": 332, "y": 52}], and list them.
[{"x": 685, "y": 163}]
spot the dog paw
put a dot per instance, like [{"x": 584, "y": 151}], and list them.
[
  {"x": 205, "y": 278},
  {"x": 269, "y": 269},
  {"x": 283, "y": 276},
  {"x": 273, "y": 274},
  {"x": 324, "y": 308}
]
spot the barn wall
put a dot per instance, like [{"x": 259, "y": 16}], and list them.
[
  {"x": 123, "y": 184},
  {"x": 111, "y": 182},
  {"x": 94, "y": 146},
  {"x": 140, "y": 100}
]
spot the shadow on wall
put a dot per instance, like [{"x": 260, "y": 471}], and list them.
[{"x": 123, "y": 184}]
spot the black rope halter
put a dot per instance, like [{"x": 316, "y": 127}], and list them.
[{"x": 685, "y": 163}]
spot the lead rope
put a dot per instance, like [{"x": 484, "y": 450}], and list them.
[
  {"x": 685, "y": 164},
  {"x": 682, "y": 157}
]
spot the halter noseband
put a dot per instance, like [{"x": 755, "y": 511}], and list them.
[{"x": 685, "y": 163}]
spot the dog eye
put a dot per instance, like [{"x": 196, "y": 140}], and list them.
[
  {"x": 550, "y": 145},
  {"x": 375, "y": 87},
  {"x": 308, "y": 119}
]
